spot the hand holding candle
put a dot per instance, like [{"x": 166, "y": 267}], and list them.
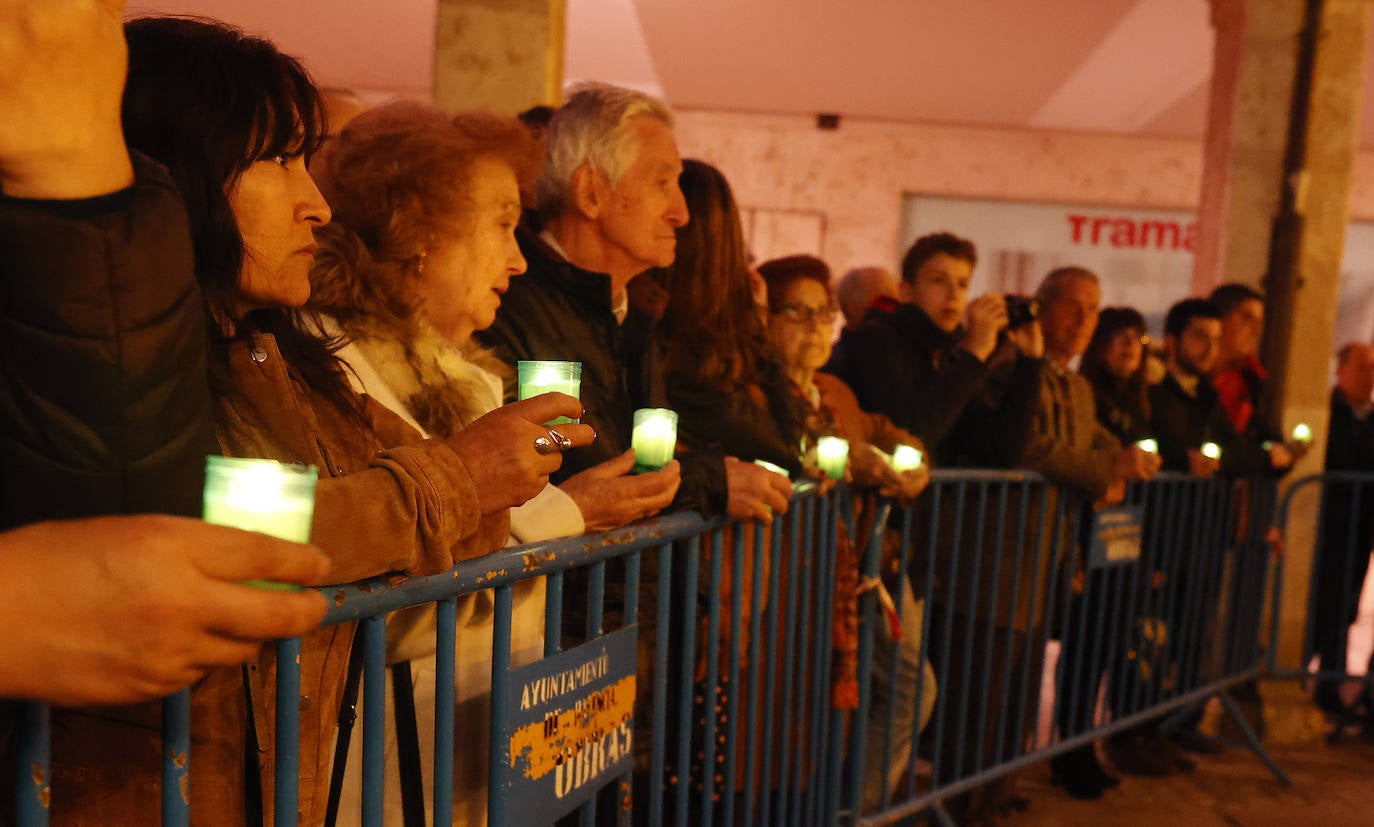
[
  {"x": 509, "y": 453},
  {"x": 1295, "y": 449},
  {"x": 654, "y": 439}
]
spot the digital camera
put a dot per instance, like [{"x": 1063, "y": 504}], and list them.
[{"x": 1021, "y": 311}]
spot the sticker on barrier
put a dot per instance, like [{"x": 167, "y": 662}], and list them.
[
  {"x": 572, "y": 715},
  {"x": 1116, "y": 536}
]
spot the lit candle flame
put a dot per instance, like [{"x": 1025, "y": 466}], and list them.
[{"x": 907, "y": 458}]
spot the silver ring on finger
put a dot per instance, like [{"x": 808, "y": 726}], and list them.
[
  {"x": 563, "y": 442},
  {"x": 544, "y": 446}
]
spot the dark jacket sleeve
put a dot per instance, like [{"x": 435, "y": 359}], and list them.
[
  {"x": 105, "y": 407},
  {"x": 1348, "y": 445},
  {"x": 924, "y": 399},
  {"x": 1169, "y": 426},
  {"x": 1240, "y": 456},
  {"x": 703, "y": 487},
  {"x": 1012, "y": 415}
]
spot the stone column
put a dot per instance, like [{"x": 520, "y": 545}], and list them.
[
  {"x": 501, "y": 55},
  {"x": 1257, "y": 54}
]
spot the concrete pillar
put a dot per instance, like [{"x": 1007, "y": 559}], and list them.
[
  {"x": 501, "y": 55},
  {"x": 1257, "y": 49},
  {"x": 1247, "y": 131}
]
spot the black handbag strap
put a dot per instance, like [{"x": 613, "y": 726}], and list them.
[
  {"x": 408, "y": 745},
  {"x": 252, "y": 777},
  {"x": 348, "y": 715}
]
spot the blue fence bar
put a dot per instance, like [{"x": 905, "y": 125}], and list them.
[
  {"x": 1344, "y": 512},
  {"x": 32, "y": 781},
  {"x": 176, "y": 754},
  {"x": 736, "y": 720},
  {"x": 445, "y": 690},
  {"x": 286, "y": 788}
]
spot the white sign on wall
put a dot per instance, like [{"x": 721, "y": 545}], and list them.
[{"x": 1144, "y": 256}]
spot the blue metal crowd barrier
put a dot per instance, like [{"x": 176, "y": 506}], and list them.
[
  {"x": 1344, "y": 510},
  {"x": 1159, "y": 615},
  {"x": 735, "y": 720}
]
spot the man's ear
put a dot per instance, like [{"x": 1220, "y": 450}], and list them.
[
  {"x": 587, "y": 192},
  {"x": 905, "y": 294}
]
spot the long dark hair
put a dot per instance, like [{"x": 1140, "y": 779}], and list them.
[
  {"x": 1131, "y": 394},
  {"x": 207, "y": 101},
  {"x": 709, "y": 325}
]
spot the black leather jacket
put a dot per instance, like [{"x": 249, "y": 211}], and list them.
[
  {"x": 969, "y": 412},
  {"x": 559, "y": 311}
]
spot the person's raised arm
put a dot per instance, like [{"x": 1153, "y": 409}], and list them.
[{"x": 62, "y": 70}]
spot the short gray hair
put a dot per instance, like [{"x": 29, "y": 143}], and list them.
[
  {"x": 591, "y": 129},
  {"x": 1056, "y": 280}
]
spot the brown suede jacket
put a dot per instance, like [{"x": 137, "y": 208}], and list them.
[{"x": 387, "y": 501}]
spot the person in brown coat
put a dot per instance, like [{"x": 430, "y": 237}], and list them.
[
  {"x": 1089, "y": 465},
  {"x": 92, "y": 460},
  {"x": 234, "y": 120}
]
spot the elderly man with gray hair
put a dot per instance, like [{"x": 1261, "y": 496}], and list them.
[
  {"x": 608, "y": 210},
  {"x": 609, "y": 207},
  {"x": 1073, "y": 449}
]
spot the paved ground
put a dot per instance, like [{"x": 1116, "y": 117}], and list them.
[{"x": 1333, "y": 786}]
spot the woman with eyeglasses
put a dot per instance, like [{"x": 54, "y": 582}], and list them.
[
  {"x": 802, "y": 313},
  {"x": 1115, "y": 365}
]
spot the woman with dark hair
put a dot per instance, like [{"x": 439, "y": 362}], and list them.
[
  {"x": 1115, "y": 365},
  {"x": 720, "y": 378},
  {"x": 234, "y": 122}
]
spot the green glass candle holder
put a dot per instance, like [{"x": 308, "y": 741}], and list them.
[
  {"x": 654, "y": 439},
  {"x": 832, "y": 455},
  {"x": 261, "y": 495},
  {"x": 538, "y": 377}
]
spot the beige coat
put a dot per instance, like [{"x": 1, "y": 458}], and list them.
[{"x": 438, "y": 388}]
